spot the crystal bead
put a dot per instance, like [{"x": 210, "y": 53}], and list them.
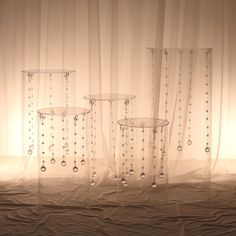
[
  {"x": 94, "y": 174},
  {"x": 207, "y": 149},
  {"x": 82, "y": 162},
  {"x": 142, "y": 175},
  {"x": 75, "y": 169},
  {"x": 67, "y": 151},
  {"x": 63, "y": 163},
  {"x": 115, "y": 177},
  {"x": 131, "y": 171},
  {"x": 53, "y": 161},
  {"x": 125, "y": 184},
  {"x": 189, "y": 142},
  {"x": 123, "y": 180},
  {"x": 43, "y": 168},
  {"x": 92, "y": 183},
  {"x": 50, "y": 147},
  {"x": 30, "y": 152},
  {"x": 31, "y": 146},
  {"x": 154, "y": 185},
  {"x": 179, "y": 148},
  {"x": 162, "y": 175}
]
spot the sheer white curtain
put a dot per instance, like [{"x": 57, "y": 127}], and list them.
[{"x": 106, "y": 43}]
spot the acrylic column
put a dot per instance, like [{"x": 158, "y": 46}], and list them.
[
  {"x": 184, "y": 77},
  {"x": 63, "y": 155},
  {"x": 42, "y": 89}
]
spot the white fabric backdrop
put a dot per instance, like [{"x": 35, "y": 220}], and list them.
[{"x": 105, "y": 42}]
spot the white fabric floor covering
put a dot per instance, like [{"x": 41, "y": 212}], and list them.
[{"x": 104, "y": 211}]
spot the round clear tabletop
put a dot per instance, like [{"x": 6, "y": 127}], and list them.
[
  {"x": 109, "y": 97},
  {"x": 51, "y": 71},
  {"x": 143, "y": 122},
  {"x": 63, "y": 111}
]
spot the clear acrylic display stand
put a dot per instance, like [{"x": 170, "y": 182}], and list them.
[
  {"x": 63, "y": 155},
  {"x": 143, "y": 162},
  {"x": 105, "y": 108},
  {"x": 40, "y": 89},
  {"x": 183, "y": 81}
]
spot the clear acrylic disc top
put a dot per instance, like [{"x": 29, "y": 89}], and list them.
[
  {"x": 63, "y": 111},
  {"x": 109, "y": 97},
  {"x": 143, "y": 122}
]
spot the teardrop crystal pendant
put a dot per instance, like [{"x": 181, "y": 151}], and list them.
[
  {"x": 179, "y": 148},
  {"x": 142, "y": 175},
  {"x": 63, "y": 163},
  {"x": 162, "y": 175},
  {"x": 131, "y": 171},
  {"x": 50, "y": 147},
  {"x": 43, "y": 168},
  {"x": 154, "y": 185},
  {"x": 30, "y": 152},
  {"x": 123, "y": 180},
  {"x": 53, "y": 161},
  {"x": 115, "y": 177},
  {"x": 189, "y": 142},
  {"x": 75, "y": 169},
  {"x": 82, "y": 162},
  {"x": 94, "y": 174}
]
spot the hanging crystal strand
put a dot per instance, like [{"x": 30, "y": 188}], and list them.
[
  {"x": 67, "y": 148},
  {"x": 131, "y": 170},
  {"x": 126, "y": 108},
  {"x": 123, "y": 179},
  {"x": 94, "y": 173},
  {"x": 92, "y": 183},
  {"x": 66, "y": 89},
  {"x": 83, "y": 141},
  {"x": 161, "y": 140},
  {"x": 63, "y": 162},
  {"x": 189, "y": 142},
  {"x": 126, "y": 102},
  {"x": 164, "y": 130},
  {"x": 142, "y": 175},
  {"x": 50, "y": 89},
  {"x": 153, "y": 52},
  {"x": 166, "y": 83},
  {"x": 179, "y": 147},
  {"x": 163, "y": 152},
  {"x": 113, "y": 140},
  {"x": 51, "y": 146},
  {"x": 30, "y": 115},
  {"x": 43, "y": 167},
  {"x": 154, "y": 183},
  {"x": 207, "y": 148},
  {"x": 75, "y": 168}
]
